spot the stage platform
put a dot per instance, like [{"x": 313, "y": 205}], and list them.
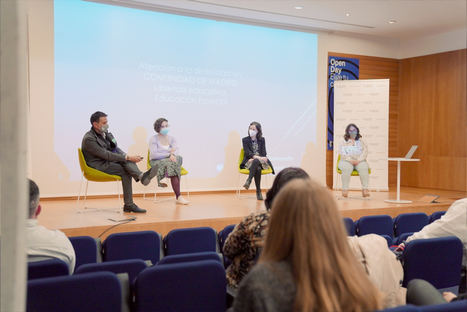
[{"x": 211, "y": 209}]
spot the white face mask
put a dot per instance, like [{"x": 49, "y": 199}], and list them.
[
  {"x": 252, "y": 132},
  {"x": 104, "y": 128}
]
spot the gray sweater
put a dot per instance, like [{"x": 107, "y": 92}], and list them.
[{"x": 267, "y": 287}]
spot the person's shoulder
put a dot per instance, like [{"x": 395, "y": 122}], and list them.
[{"x": 245, "y": 139}]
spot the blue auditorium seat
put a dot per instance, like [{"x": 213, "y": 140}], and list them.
[
  {"x": 47, "y": 268},
  {"x": 190, "y": 257},
  {"x": 222, "y": 236},
  {"x": 410, "y": 222},
  {"x": 144, "y": 245},
  {"x": 132, "y": 267},
  {"x": 456, "y": 306},
  {"x": 189, "y": 286},
  {"x": 380, "y": 224},
  {"x": 82, "y": 292},
  {"x": 435, "y": 260},
  {"x": 190, "y": 240},
  {"x": 350, "y": 226},
  {"x": 404, "y": 308},
  {"x": 437, "y": 215},
  {"x": 87, "y": 250},
  {"x": 401, "y": 238}
]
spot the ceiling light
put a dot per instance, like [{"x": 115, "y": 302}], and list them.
[
  {"x": 347, "y": 14},
  {"x": 392, "y": 21},
  {"x": 298, "y": 7}
]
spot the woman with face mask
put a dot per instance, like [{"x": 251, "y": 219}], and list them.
[
  {"x": 163, "y": 153},
  {"x": 254, "y": 158},
  {"x": 353, "y": 152}
]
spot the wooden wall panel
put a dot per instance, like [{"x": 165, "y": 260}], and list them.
[
  {"x": 377, "y": 68},
  {"x": 433, "y": 114}
]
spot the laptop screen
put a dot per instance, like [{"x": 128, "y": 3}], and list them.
[{"x": 411, "y": 151}]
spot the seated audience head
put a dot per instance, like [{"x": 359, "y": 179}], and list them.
[
  {"x": 34, "y": 207},
  {"x": 281, "y": 179},
  {"x": 306, "y": 230},
  {"x": 352, "y": 131}
]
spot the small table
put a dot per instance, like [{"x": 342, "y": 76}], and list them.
[{"x": 399, "y": 200}]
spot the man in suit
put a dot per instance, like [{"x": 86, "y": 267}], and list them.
[{"x": 101, "y": 152}]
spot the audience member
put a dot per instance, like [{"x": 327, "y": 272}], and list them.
[
  {"x": 243, "y": 244},
  {"x": 382, "y": 267},
  {"x": 42, "y": 243},
  {"x": 452, "y": 223},
  {"x": 306, "y": 263}
]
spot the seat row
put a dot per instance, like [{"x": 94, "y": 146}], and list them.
[
  {"x": 190, "y": 286},
  {"x": 394, "y": 230},
  {"x": 184, "y": 286}
]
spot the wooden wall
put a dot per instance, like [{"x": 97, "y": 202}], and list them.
[
  {"x": 433, "y": 114},
  {"x": 427, "y": 107},
  {"x": 376, "y": 68}
]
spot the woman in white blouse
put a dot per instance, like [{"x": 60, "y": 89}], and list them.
[{"x": 353, "y": 152}]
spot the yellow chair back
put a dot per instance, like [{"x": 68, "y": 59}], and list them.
[
  {"x": 92, "y": 174},
  {"x": 354, "y": 172},
  {"x": 246, "y": 171}
]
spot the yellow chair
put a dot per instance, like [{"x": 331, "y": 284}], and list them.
[
  {"x": 182, "y": 173},
  {"x": 354, "y": 172},
  {"x": 246, "y": 171},
  {"x": 94, "y": 175}
]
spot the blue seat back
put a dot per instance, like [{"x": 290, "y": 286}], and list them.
[
  {"x": 380, "y": 224},
  {"x": 144, "y": 245},
  {"x": 196, "y": 256},
  {"x": 188, "y": 286},
  {"x": 47, "y": 268},
  {"x": 389, "y": 240},
  {"x": 350, "y": 226},
  {"x": 435, "y": 260},
  {"x": 437, "y": 215},
  {"x": 456, "y": 306},
  {"x": 410, "y": 222},
  {"x": 190, "y": 240},
  {"x": 401, "y": 238},
  {"x": 222, "y": 235},
  {"x": 82, "y": 292},
  {"x": 87, "y": 250},
  {"x": 132, "y": 267},
  {"x": 404, "y": 308}
]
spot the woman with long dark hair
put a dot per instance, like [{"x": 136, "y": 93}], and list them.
[{"x": 255, "y": 157}]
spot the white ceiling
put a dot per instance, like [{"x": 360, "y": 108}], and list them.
[{"x": 414, "y": 18}]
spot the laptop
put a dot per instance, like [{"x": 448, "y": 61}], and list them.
[{"x": 411, "y": 151}]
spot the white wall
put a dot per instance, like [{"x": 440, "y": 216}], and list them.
[
  {"x": 437, "y": 43},
  {"x": 45, "y": 164}
]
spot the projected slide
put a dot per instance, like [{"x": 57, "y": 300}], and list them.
[{"x": 210, "y": 79}]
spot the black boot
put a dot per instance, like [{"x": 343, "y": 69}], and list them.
[
  {"x": 259, "y": 196},
  {"x": 247, "y": 183},
  {"x": 133, "y": 208}
]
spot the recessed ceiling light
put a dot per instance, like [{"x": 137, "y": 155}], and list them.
[
  {"x": 392, "y": 21},
  {"x": 298, "y": 7},
  {"x": 347, "y": 14}
]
